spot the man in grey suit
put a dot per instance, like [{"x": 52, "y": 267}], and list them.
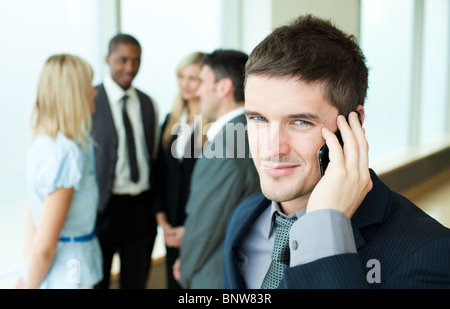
[
  {"x": 222, "y": 177},
  {"x": 124, "y": 128}
]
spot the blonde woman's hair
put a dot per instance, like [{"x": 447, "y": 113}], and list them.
[
  {"x": 179, "y": 103},
  {"x": 62, "y": 103}
]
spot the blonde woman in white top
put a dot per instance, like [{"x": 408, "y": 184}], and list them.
[{"x": 61, "y": 248}]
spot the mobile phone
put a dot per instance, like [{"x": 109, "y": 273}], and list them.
[{"x": 323, "y": 153}]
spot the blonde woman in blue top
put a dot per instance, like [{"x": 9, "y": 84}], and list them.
[{"x": 61, "y": 248}]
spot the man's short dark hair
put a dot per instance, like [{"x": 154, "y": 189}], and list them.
[
  {"x": 315, "y": 51},
  {"x": 229, "y": 64},
  {"x": 122, "y": 38}
]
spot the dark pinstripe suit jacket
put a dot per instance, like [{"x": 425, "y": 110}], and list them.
[
  {"x": 412, "y": 248},
  {"x": 104, "y": 134}
]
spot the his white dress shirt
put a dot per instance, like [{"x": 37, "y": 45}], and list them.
[{"x": 122, "y": 182}]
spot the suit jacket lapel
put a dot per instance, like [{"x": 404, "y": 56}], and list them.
[
  {"x": 105, "y": 136},
  {"x": 372, "y": 210},
  {"x": 102, "y": 108},
  {"x": 147, "y": 113},
  {"x": 253, "y": 207}
]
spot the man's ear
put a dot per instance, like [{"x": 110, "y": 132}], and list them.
[
  {"x": 361, "y": 111},
  {"x": 107, "y": 59},
  {"x": 225, "y": 87}
]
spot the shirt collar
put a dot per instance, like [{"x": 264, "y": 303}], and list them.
[
  {"x": 275, "y": 207},
  {"x": 217, "y": 125},
  {"x": 115, "y": 92}
]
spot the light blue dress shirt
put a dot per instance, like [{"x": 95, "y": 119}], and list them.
[
  {"x": 315, "y": 235},
  {"x": 62, "y": 163}
]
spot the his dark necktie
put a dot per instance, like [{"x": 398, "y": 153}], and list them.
[
  {"x": 280, "y": 253},
  {"x": 134, "y": 173}
]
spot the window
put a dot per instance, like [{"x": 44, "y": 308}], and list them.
[
  {"x": 406, "y": 44},
  {"x": 168, "y": 31},
  {"x": 434, "y": 70},
  {"x": 387, "y": 41}
]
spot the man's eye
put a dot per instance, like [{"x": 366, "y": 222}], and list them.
[
  {"x": 257, "y": 118},
  {"x": 301, "y": 122}
]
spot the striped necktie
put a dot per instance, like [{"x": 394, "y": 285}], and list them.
[
  {"x": 134, "y": 172},
  {"x": 280, "y": 253}
]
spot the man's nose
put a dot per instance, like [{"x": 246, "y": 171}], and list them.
[
  {"x": 129, "y": 67},
  {"x": 275, "y": 142}
]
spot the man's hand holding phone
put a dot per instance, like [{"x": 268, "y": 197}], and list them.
[{"x": 346, "y": 180}]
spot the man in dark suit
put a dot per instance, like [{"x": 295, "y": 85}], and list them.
[
  {"x": 124, "y": 128},
  {"x": 222, "y": 177},
  {"x": 344, "y": 229}
]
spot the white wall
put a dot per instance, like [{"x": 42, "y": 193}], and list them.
[
  {"x": 167, "y": 31},
  {"x": 345, "y": 13},
  {"x": 260, "y": 17},
  {"x": 256, "y": 22}
]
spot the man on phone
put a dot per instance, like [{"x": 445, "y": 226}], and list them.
[{"x": 309, "y": 231}]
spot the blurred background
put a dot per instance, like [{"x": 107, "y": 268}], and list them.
[{"x": 406, "y": 43}]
